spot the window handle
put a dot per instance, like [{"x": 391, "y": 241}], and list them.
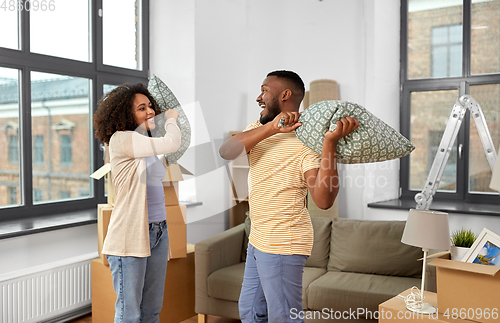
[
  {"x": 460, "y": 148},
  {"x": 103, "y": 148}
]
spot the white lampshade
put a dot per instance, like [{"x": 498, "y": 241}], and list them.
[
  {"x": 427, "y": 229},
  {"x": 495, "y": 178}
]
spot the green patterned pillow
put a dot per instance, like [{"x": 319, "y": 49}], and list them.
[
  {"x": 167, "y": 100},
  {"x": 372, "y": 141}
]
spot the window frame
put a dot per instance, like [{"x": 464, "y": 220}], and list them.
[
  {"x": 97, "y": 73},
  {"x": 462, "y": 84}
]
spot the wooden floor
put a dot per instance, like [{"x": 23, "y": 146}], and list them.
[{"x": 211, "y": 319}]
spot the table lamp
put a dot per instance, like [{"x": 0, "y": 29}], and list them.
[
  {"x": 427, "y": 230},
  {"x": 495, "y": 178}
]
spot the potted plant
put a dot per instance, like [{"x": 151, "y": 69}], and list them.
[{"x": 461, "y": 241}]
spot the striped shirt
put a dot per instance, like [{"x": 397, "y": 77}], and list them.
[{"x": 277, "y": 194}]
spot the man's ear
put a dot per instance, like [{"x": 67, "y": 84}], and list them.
[{"x": 285, "y": 95}]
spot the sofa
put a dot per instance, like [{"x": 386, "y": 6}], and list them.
[{"x": 355, "y": 265}]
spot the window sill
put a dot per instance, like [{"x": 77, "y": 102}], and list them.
[
  {"x": 443, "y": 206},
  {"x": 21, "y": 227}
]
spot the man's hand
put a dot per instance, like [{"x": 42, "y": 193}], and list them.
[
  {"x": 344, "y": 127},
  {"x": 290, "y": 123}
]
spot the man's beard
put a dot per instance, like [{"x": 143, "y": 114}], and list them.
[{"x": 273, "y": 110}]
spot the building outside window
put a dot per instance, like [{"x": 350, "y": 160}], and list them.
[
  {"x": 37, "y": 195},
  {"x": 449, "y": 48},
  {"x": 81, "y": 58},
  {"x": 63, "y": 195},
  {"x": 66, "y": 150},
  {"x": 12, "y": 195},
  {"x": 447, "y": 51},
  {"x": 38, "y": 149},
  {"x": 13, "y": 150}
]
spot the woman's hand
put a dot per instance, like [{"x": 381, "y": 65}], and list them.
[
  {"x": 171, "y": 113},
  {"x": 344, "y": 127}
]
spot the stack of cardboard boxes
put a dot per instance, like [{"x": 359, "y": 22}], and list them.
[{"x": 178, "y": 300}]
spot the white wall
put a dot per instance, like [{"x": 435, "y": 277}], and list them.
[
  {"x": 235, "y": 43},
  {"x": 38, "y": 249}
]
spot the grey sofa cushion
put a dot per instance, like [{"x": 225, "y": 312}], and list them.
[
  {"x": 310, "y": 275},
  {"x": 344, "y": 291},
  {"x": 226, "y": 283},
  {"x": 321, "y": 248},
  {"x": 372, "y": 247}
]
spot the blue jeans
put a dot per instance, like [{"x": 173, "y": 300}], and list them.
[
  {"x": 139, "y": 283},
  {"x": 272, "y": 287}
]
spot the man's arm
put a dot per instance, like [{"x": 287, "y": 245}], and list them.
[
  {"x": 323, "y": 182},
  {"x": 242, "y": 143}
]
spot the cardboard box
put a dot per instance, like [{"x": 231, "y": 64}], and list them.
[
  {"x": 178, "y": 298},
  {"x": 103, "y": 217},
  {"x": 103, "y": 294},
  {"x": 106, "y": 171},
  {"x": 173, "y": 176},
  {"x": 468, "y": 288},
  {"x": 171, "y": 189},
  {"x": 176, "y": 222}
]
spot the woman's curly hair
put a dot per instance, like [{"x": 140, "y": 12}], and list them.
[{"x": 114, "y": 111}]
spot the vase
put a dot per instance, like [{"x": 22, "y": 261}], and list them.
[{"x": 457, "y": 253}]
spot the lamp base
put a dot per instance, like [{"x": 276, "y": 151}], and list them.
[{"x": 425, "y": 309}]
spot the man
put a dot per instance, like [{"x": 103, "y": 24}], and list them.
[{"x": 282, "y": 168}]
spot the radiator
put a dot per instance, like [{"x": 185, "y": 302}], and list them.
[{"x": 44, "y": 293}]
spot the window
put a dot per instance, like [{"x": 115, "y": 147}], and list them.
[
  {"x": 37, "y": 195},
  {"x": 447, "y": 51},
  {"x": 83, "y": 193},
  {"x": 12, "y": 195},
  {"x": 66, "y": 150},
  {"x": 56, "y": 76},
  {"x": 13, "y": 149},
  {"x": 449, "y": 48},
  {"x": 119, "y": 18},
  {"x": 38, "y": 149},
  {"x": 63, "y": 195},
  {"x": 9, "y": 21}
]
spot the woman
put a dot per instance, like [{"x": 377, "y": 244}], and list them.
[{"x": 136, "y": 243}]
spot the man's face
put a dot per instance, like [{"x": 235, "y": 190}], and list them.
[{"x": 268, "y": 99}]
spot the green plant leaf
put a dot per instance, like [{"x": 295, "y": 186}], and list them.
[{"x": 463, "y": 238}]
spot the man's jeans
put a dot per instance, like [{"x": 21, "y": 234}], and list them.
[
  {"x": 139, "y": 283},
  {"x": 272, "y": 287}
]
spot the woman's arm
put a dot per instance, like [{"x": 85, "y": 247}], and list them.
[{"x": 134, "y": 144}]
